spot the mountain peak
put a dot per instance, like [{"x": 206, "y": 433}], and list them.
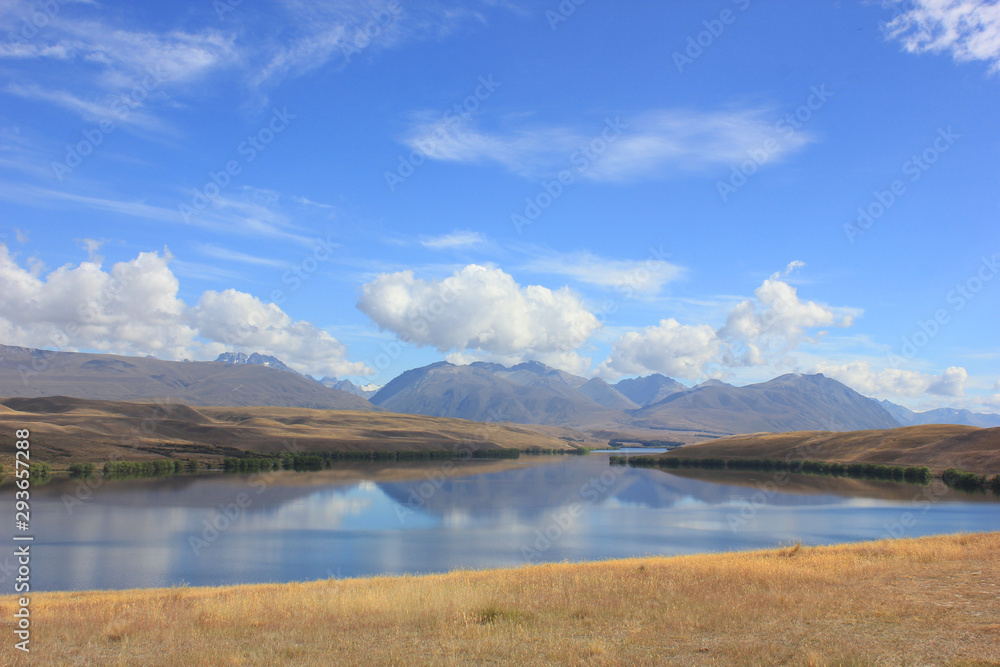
[{"x": 255, "y": 359}]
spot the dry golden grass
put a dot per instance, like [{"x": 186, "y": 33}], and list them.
[
  {"x": 938, "y": 446},
  {"x": 925, "y": 601},
  {"x": 70, "y": 430}
]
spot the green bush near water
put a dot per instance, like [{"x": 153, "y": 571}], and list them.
[
  {"x": 913, "y": 474},
  {"x": 81, "y": 470},
  {"x": 959, "y": 479},
  {"x": 40, "y": 470},
  {"x": 142, "y": 468}
]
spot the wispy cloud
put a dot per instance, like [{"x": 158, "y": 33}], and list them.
[
  {"x": 232, "y": 216},
  {"x": 340, "y": 31},
  {"x": 649, "y": 145},
  {"x": 462, "y": 239},
  {"x": 968, "y": 29},
  {"x": 640, "y": 277},
  {"x": 100, "y": 68},
  {"x": 229, "y": 255},
  {"x": 113, "y": 109}
]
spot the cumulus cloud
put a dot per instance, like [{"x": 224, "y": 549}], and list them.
[
  {"x": 883, "y": 382},
  {"x": 134, "y": 309},
  {"x": 968, "y": 29},
  {"x": 237, "y": 320},
  {"x": 757, "y": 332},
  {"x": 774, "y": 322},
  {"x": 480, "y": 309},
  {"x": 670, "y": 348}
]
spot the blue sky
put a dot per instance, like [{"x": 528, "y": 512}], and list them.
[{"x": 730, "y": 189}]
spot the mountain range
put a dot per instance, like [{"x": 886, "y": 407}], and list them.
[
  {"x": 654, "y": 407},
  {"x": 908, "y": 417},
  {"x": 534, "y": 393},
  {"x": 27, "y": 372}
]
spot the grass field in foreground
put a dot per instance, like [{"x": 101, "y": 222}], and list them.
[{"x": 931, "y": 600}]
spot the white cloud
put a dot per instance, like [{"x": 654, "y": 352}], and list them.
[
  {"x": 239, "y": 321},
  {"x": 892, "y": 382},
  {"x": 649, "y": 145},
  {"x": 968, "y": 29},
  {"x": 479, "y": 309},
  {"x": 100, "y": 69},
  {"x": 348, "y": 29},
  {"x": 774, "y": 322},
  {"x": 761, "y": 331},
  {"x": 89, "y": 110},
  {"x": 133, "y": 309},
  {"x": 229, "y": 255},
  {"x": 670, "y": 348},
  {"x": 121, "y": 57},
  {"x": 245, "y": 213},
  {"x": 627, "y": 277},
  {"x": 455, "y": 240}
]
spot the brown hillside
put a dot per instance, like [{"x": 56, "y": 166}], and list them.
[
  {"x": 938, "y": 446},
  {"x": 66, "y": 430}
]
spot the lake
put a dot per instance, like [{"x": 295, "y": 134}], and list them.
[{"x": 372, "y": 519}]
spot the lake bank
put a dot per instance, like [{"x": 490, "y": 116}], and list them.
[{"x": 931, "y": 599}]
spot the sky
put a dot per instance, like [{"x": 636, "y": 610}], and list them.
[{"x": 730, "y": 189}]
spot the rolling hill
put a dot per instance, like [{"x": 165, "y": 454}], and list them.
[
  {"x": 68, "y": 430},
  {"x": 938, "y": 446}
]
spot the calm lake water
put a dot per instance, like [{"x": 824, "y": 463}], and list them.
[{"x": 371, "y": 519}]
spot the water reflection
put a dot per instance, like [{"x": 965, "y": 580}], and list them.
[{"x": 367, "y": 519}]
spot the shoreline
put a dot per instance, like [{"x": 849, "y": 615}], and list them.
[{"x": 928, "y": 599}]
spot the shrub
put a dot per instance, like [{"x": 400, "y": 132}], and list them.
[
  {"x": 962, "y": 480},
  {"x": 81, "y": 469},
  {"x": 39, "y": 469},
  {"x": 917, "y": 474}
]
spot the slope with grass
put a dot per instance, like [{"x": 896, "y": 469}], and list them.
[
  {"x": 66, "y": 430},
  {"x": 933, "y": 600},
  {"x": 938, "y": 446}
]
